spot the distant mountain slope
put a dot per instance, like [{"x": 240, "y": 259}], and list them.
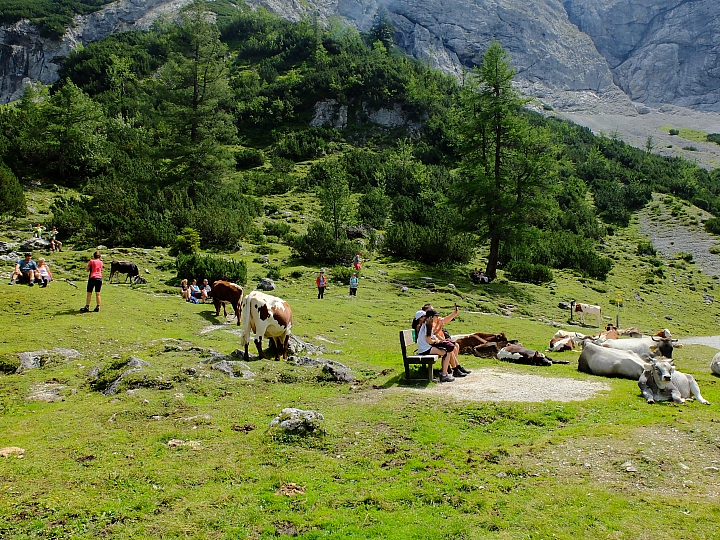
[{"x": 577, "y": 55}]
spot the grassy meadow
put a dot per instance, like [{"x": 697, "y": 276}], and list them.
[{"x": 393, "y": 461}]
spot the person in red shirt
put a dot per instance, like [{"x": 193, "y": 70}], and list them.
[
  {"x": 94, "y": 266},
  {"x": 321, "y": 282}
]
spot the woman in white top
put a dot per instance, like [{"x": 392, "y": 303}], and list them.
[
  {"x": 426, "y": 342},
  {"x": 45, "y": 274}
]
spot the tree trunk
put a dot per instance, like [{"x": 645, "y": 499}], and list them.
[{"x": 491, "y": 270}]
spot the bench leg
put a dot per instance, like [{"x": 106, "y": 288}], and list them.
[
  {"x": 430, "y": 372},
  {"x": 407, "y": 371}
]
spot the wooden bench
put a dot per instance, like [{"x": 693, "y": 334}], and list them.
[{"x": 406, "y": 340}]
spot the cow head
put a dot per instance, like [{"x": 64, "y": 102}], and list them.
[
  {"x": 662, "y": 370},
  {"x": 664, "y": 346}
]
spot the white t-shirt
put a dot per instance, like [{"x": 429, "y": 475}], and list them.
[{"x": 423, "y": 345}]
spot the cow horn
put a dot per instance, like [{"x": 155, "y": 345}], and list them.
[
  {"x": 653, "y": 338},
  {"x": 674, "y": 340}
]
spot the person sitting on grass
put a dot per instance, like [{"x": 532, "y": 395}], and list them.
[
  {"x": 185, "y": 290},
  {"x": 206, "y": 290},
  {"x": 45, "y": 274},
  {"x": 26, "y": 268},
  {"x": 195, "y": 293}
]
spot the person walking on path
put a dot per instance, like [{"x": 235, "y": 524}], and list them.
[
  {"x": 353, "y": 284},
  {"x": 321, "y": 282},
  {"x": 94, "y": 267}
]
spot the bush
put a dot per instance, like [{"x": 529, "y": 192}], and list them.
[
  {"x": 343, "y": 273},
  {"x": 674, "y": 131},
  {"x": 275, "y": 228},
  {"x": 687, "y": 257},
  {"x": 714, "y": 137},
  {"x": 12, "y": 197},
  {"x": 428, "y": 244},
  {"x": 211, "y": 267},
  {"x": 319, "y": 245},
  {"x": 690, "y": 148},
  {"x": 282, "y": 165},
  {"x": 273, "y": 272},
  {"x": 646, "y": 248},
  {"x": 248, "y": 158},
  {"x": 374, "y": 208},
  {"x": 527, "y": 272},
  {"x": 187, "y": 242},
  {"x": 308, "y": 144},
  {"x": 712, "y": 225}
]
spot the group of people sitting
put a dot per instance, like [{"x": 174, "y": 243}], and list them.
[
  {"x": 52, "y": 234},
  {"x": 193, "y": 293},
  {"x": 33, "y": 271},
  {"x": 432, "y": 338},
  {"x": 478, "y": 277}
]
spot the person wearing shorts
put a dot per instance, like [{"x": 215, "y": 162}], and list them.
[{"x": 94, "y": 267}]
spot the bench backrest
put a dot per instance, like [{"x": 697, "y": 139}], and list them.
[{"x": 406, "y": 338}]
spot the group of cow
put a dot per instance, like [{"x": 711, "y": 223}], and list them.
[{"x": 262, "y": 314}]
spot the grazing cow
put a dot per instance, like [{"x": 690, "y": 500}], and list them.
[
  {"x": 223, "y": 292},
  {"x": 128, "y": 268},
  {"x": 660, "y": 381},
  {"x": 646, "y": 347},
  {"x": 559, "y": 344},
  {"x": 715, "y": 364},
  {"x": 521, "y": 355},
  {"x": 599, "y": 360},
  {"x": 588, "y": 309},
  {"x": 266, "y": 316}
]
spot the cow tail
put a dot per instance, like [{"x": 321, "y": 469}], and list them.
[{"x": 240, "y": 304}]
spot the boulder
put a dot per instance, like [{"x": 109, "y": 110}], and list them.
[
  {"x": 297, "y": 421},
  {"x": 266, "y": 284}
]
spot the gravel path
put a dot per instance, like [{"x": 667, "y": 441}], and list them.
[{"x": 493, "y": 385}]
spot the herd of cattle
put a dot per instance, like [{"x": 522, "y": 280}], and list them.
[{"x": 646, "y": 359}]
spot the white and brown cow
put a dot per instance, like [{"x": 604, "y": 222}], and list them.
[
  {"x": 588, "y": 309},
  {"x": 518, "y": 354},
  {"x": 559, "y": 344},
  {"x": 223, "y": 292},
  {"x": 266, "y": 316}
]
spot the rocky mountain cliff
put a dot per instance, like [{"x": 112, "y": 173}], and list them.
[{"x": 604, "y": 56}]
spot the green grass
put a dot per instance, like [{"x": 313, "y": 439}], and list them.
[
  {"x": 690, "y": 134},
  {"x": 392, "y": 462}
]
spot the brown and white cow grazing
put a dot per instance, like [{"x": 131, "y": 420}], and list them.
[
  {"x": 225, "y": 292},
  {"x": 266, "y": 316},
  {"x": 588, "y": 309}
]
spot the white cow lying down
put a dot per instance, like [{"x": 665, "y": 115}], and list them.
[
  {"x": 662, "y": 382},
  {"x": 599, "y": 360},
  {"x": 715, "y": 364}
]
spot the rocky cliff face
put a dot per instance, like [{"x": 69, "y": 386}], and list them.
[{"x": 576, "y": 55}]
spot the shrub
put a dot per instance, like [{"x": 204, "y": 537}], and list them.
[
  {"x": 12, "y": 197},
  {"x": 319, "y": 245},
  {"x": 714, "y": 137},
  {"x": 307, "y": 144},
  {"x": 211, "y": 267},
  {"x": 273, "y": 272},
  {"x": 715, "y": 250},
  {"x": 187, "y": 242},
  {"x": 428, "y": 244},
  {"x": 248, "y": 158},
  {"x": 265, "y": 250},
  {"x": 690, "y": 148},
  {"x": 527, "y": 272},
  {"x": 275, "y": 228},
  {"x": 674, "y": 131},
  {"x": 687, "y": 257},
  {"x": 282, "y": 165},
  {"x": 343, "y": 273},
  {"x": 712, "y": 225},
  {"x": 374, "y": 208},
  {"x": 646, "y": 248}
]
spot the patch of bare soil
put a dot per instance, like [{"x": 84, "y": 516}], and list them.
[
  {"x": 493, "y": 385},
  {"x": 655, "y": 459}
]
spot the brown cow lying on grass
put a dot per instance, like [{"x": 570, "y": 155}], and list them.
[{"x": 498, "y": 346}]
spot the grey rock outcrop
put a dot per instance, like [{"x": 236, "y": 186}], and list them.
[
  {"x": 609, "y": 56},
  {"x": 266, "y": 284}
]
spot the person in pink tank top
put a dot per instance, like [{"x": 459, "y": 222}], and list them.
[{"x": 94, "y": 266}]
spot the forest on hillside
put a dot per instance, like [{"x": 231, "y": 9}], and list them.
[{"x": 187, "y": 126}]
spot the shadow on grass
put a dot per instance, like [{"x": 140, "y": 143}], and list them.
[{"x": 400, "y": 381}]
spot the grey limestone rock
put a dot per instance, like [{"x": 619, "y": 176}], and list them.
[
  {"x": 297, "y": 421},
  {"x": 266, "y": 284}
]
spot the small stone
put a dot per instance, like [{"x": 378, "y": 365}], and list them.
[{"x": 501, "y": 475}]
